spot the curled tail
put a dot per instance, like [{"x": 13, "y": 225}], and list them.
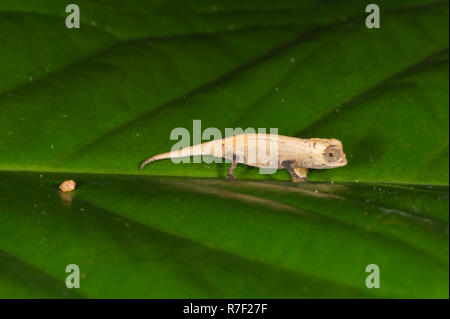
[
  {"x": 155, "y": 158},
  {"x": 184, "y": 152}
]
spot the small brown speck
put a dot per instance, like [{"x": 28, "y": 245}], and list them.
[{"x": 68, "y": 186}]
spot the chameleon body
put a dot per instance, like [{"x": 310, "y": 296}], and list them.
[{"x": 296, "y": 155}]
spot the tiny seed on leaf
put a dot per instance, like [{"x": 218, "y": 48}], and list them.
[{"x": 68, "y": 186}]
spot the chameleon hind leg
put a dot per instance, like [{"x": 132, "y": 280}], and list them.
[
  {"x": 230, "y": 174},
  {"x": 298, "y": 174}
]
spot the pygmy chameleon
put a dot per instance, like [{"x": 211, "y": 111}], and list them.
[{"x": 296, "y": 155}]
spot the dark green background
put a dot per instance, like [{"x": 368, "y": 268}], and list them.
[{"x": 92, "y": 103}]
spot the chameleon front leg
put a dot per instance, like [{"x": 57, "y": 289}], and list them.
[
  {"x": 298, "y": 174},
  {"x": 301, "y": 172},
  {"x": 230, "y": 174}
]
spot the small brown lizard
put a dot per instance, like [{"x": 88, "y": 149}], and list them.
[{"x": 296, "y": 155}]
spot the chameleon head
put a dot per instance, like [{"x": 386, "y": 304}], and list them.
[{"x": 328, "y": 153}]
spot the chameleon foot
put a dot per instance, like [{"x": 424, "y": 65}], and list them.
[
  {"x": 230, "y": 175},
  {"x": 298, "y": 174},
  {"x": 299, "y": 180}
]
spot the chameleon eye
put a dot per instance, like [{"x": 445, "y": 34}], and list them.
[{"x": 331, "y": 154}]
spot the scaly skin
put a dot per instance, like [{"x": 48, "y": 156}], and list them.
[{"x": 296, "y": 155}]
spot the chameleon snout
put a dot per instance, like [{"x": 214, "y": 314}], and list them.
[{"x": 343, "y": 161}]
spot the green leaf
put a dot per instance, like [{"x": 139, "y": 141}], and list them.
[
  {"x": 197, "y": 238},
  {"x": 92, "y": 103}
]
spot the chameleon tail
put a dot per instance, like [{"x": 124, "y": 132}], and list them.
[
  {"x": 184, "y": 152},
  {"x": 155, "y": 158}
]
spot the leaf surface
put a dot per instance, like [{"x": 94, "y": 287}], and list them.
[{"x": 92, "y": 103}]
